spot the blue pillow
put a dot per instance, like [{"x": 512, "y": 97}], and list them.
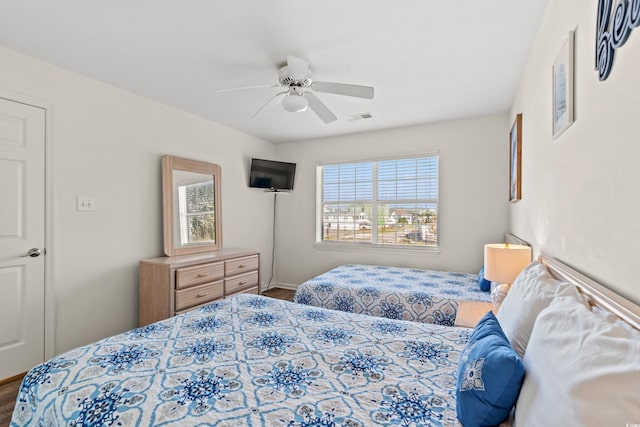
[
  {"x": 485, "y": 284},
  {"x": 490, "y": 374}
]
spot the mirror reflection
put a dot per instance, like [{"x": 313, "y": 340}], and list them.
[
  {"x": 191, "y": 206},
  {"x": 195, "y": 210}
]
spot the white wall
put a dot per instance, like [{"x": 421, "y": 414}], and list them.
[
  {"x": 107, "y": 144},
  {"x": 473, "y": 196},
  {"x": 580, "y": 191}
]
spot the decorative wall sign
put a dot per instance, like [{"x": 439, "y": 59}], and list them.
[
  {"x": 626, "y": 17},
  {"x": 563, "y": 88},
  {"x": 515, "y": 160}
]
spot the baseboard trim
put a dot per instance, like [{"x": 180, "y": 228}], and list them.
[
  {"x": 12, "y": 379},
  {"x": 289, "y": 286}
]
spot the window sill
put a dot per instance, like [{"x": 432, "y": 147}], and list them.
[{"x": 355, "y": 247}]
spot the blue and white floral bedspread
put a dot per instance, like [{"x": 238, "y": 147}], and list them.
[
  {"x": 428, "y": 296},
  {"x": 252, "y": 361}
]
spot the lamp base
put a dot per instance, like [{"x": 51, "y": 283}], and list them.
[{"x": 498, "y": 293}]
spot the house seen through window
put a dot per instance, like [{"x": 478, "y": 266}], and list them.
[{"x": 391, "y": 202}]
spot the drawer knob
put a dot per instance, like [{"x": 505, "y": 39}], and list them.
[
  {"x": 242, "y": 283},
  {"x": 202, "y": 275},
  {"x": 201, "y": 295},
  {"x": 241, "y": 266}
]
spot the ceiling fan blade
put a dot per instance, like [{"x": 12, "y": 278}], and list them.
[
  {"x": 244, "y": 88},
  {"x": 344, "y": 89},
  {"x": 319, "y": 108},
  {"x": 269, "y": 102},
  {"x": 297, "y": 67}
]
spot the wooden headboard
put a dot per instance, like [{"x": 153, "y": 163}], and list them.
[{"x": 597, "y": 294}]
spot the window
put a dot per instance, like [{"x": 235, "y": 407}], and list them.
[
  {"x": 197, "y": 220},
  {"x": 390, "y": 202}
]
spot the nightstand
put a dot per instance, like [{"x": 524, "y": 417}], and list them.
[{"x": 470, "y": 312}]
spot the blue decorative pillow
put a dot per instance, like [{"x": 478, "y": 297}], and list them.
[
  {"x": 490, "y": 374},
  {"x": 485, "y": 284}
]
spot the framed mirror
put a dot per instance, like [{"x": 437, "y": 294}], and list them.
[{"x": 191, "y": 206}]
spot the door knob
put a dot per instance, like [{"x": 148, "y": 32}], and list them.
[{"x": 33, "y": 252}]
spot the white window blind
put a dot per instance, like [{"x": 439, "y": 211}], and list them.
[{"x": 379, "y": 202}]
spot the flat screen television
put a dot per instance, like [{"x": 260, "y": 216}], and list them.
[{"x": 275, "y": 176}]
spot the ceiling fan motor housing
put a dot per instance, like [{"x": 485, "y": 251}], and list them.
[{"x": 287, "y": 79}]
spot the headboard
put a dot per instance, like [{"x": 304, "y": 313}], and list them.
[
  {"x": 512, "y": 239},
  {"x": 596, "y": 293}
]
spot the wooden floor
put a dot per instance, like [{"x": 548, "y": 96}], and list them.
[
  {"x": 9, "y": 391},
  {"x": 279, "y": 293},
  {"x": 8, "y": 394}
]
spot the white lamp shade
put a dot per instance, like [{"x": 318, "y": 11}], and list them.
[
  {"x": 503, "y": 262},
  {"x": 295, "y": 103}
]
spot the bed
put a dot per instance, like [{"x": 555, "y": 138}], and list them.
[
  {"x": 255, "y": 361},
  {"x": 418, "y": 295},
  {"x": 252, "y": 360}
]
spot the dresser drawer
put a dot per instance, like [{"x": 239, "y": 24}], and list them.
[
  {"x": 200, "y": 294},
  {"x": 195, "y": 307},
  {"x": 204, "y": 273},
  {"x": 253, "y": 290},
  {"x": 238, "y": 283},
  {"x": 240, "y": 265}
]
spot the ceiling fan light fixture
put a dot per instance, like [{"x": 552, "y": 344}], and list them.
[{"x": 295, "y": 103}]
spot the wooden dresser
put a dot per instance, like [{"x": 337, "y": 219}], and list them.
[{"x": 174, "y": 285}]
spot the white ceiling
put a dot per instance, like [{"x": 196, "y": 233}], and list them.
[{"x": 428, "y": 60}]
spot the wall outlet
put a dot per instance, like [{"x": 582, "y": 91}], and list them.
[{"x": 85, "y": 204}]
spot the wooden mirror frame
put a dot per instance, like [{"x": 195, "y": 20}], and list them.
[{"x": 169, "y": 164}]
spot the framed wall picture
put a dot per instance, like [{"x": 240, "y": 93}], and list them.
[
  {"x": 563, "y": 87},
  {"x": 515, "y": 163}
]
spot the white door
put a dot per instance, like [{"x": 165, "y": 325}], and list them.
[{"x": 22, "y": 228}]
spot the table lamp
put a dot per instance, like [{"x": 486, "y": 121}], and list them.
[{"x": 502, "y": 264}]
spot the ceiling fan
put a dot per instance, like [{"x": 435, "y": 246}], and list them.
[{"x": 299, "y": 95}]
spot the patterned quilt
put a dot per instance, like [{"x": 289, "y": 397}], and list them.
[
  {"x": 252, "y": 361},
  {"x": 428, "y": 296}
]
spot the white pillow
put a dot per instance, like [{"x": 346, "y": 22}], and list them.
[
  {"x": 610, "y": 317},
  {"x": 582, "y": 370},
  {"x": 531, "y": 292}
]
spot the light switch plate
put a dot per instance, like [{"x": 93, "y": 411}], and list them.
[{"x": 85, "y": 204}]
